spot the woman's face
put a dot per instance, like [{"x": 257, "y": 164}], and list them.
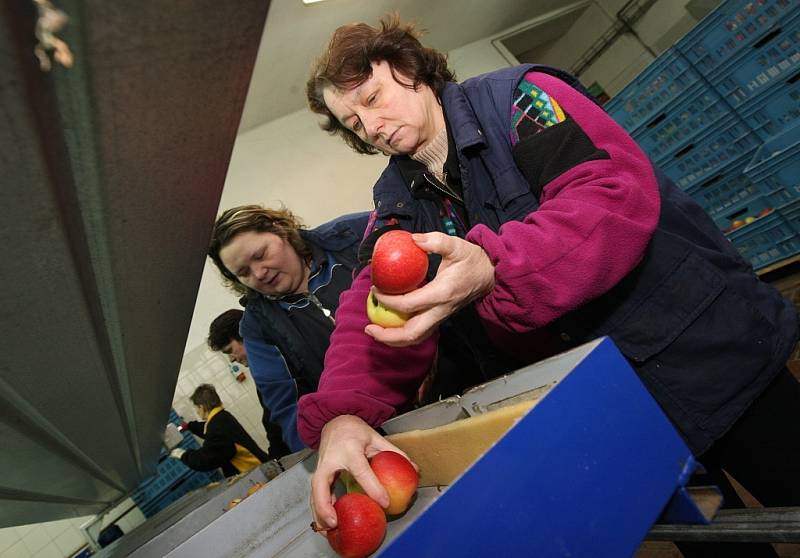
[
  {"x": 386, "y": 114},
  {"x": 265, "y": 262}
]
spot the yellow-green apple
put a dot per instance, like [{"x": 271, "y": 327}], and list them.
[
  {"x": 350, "y": 483},
  {"x": 398, "y": 477},
  {"x": 361, "y": 526},
  {"x": 383, "y": 315},
  {"x": 398, "y": 264},
  {"x": 255, "y": 488}
]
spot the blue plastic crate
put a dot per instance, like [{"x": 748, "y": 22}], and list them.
[
  {"x": 155, "y": 487},
  {"x": 767, "y": 240},
  {"x": 168, "y": 472},
  {"x": 744, "y": 213},
  {"x": 164, "y": 499},
  {"x": 726, "y": 190},
  {"x": 172, "y": 468},
  {"x": 731, "y": 27},
  {"x": 775, "y": 166},
  {"x": 675, "y": 126},
  {"x": 768, "y": 62},
  {"x": 704, "y": 156},
  {"x": 660, "y": 84},
  {"x": 791, "y": 212},
  {"x": 777, "y": 109}
]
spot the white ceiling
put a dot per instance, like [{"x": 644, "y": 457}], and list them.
[{"x": 296, "y": 33}]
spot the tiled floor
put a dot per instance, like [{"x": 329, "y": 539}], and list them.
[{"x": 787, "y": 281}]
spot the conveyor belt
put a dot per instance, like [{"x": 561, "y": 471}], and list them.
[{"x": 773, "y": 525}]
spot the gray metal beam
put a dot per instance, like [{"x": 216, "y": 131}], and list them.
[
  {"x": 111, "y": 175},
  {"x": 772, "y": 525}
]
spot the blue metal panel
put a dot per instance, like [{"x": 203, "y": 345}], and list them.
[
  {"x": 682, "y": 508},
  {"x": 585, "y": 473}
]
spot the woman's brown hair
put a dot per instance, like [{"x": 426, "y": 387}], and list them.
[
  {"x": 244, "y": 218},
  {"x": 205, "y": 396},
  {"x": 347, "y": 63}
]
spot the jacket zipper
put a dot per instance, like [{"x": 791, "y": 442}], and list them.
[
  {"x": 325, "y": 312},
  {"x": 442, "y": 188}
]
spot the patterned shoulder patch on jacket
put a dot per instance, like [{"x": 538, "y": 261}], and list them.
[{"x": 533, "y": 111}]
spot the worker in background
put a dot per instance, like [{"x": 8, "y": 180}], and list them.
[
  {"x": 223, "y": 336},
  {"x": 226, "y": 444}
]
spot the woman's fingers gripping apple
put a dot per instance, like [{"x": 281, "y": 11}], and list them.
[
  {"x": 346, "y": 444},
  {"x": 464, "y": 275}
]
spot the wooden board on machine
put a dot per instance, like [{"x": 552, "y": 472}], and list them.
[{"x": 444, "y": 452}]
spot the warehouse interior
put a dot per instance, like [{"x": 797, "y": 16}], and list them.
[{"x": 117, "y": 164}]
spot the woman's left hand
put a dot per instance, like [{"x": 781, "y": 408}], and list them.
[{"x": 465, "y": 274}]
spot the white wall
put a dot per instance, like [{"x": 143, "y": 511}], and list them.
[
  {"x": 61, "y": 538},
  {"x": 475, "y": 58},
  {"x": 54, "y": 539}
]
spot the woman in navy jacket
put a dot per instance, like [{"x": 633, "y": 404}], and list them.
[{"x": 290, "y": 279}]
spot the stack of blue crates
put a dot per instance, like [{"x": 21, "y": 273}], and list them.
[
  {"x": 716, "y": 114},
  {"x": 173, "y": 479},
  {"x": 776, "y": 169}
]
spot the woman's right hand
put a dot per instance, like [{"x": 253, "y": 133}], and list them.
[
  {"x": 346, "y": 444},
  {"x": 465, "y": 274}
]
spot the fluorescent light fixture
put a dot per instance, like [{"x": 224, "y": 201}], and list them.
[{"x": 311, "y": 1}]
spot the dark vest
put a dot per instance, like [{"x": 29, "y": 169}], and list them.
[{"x": 703, "y": 333}]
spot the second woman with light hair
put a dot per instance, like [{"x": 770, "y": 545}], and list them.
[{"x": 290, "y": 279}]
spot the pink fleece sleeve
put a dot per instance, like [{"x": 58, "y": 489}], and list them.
[
  {"x": 592, "y": 227},
  {"x": 362, "y": 377}
]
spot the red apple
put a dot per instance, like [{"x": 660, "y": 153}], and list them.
[
  {"x": 398, "y": 264},
  {"x": 361, "y": 526},
  {"x": 765, "y": 211},
  {"x": 398, "y": 477},
  {"x": 383, "y": 315},
  {"x": 232, "y": 504}
]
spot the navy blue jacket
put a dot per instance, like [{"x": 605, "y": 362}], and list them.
[
  {"x": 286, "y": 338},
  {"x": 705, "y": 335}
]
